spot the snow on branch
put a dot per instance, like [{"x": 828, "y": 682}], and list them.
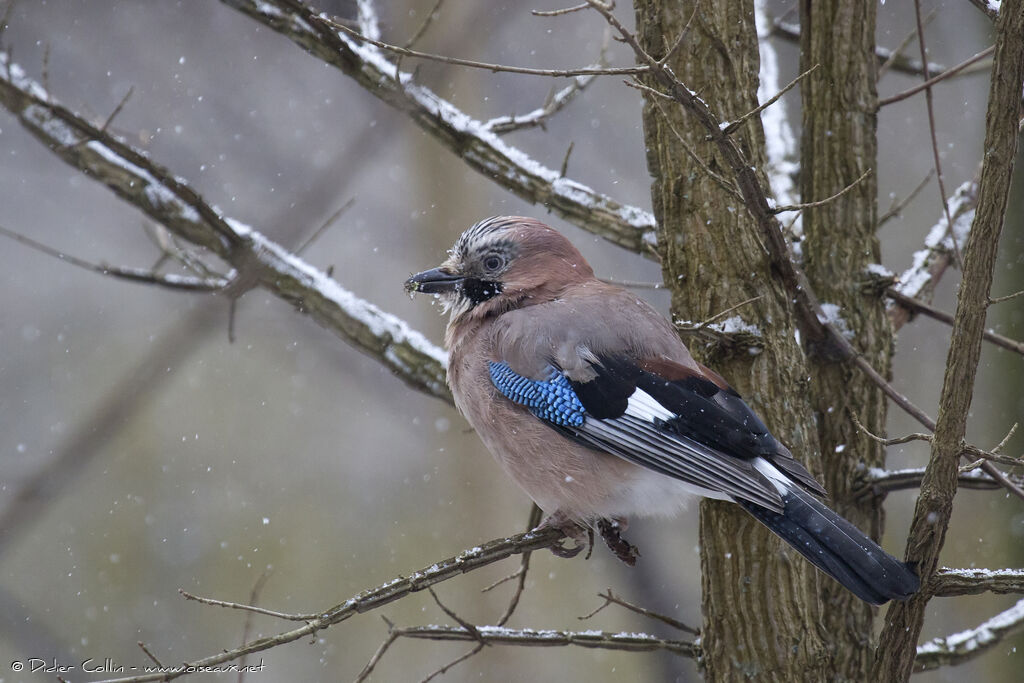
[
  {"x": 257, "y": 260},
  {"x": 499, "y": 635},
  {"x": 949, "y": 582},
  {"x": 960, "y": 647},
  {"x": 627, "y": 226},
  {"x": 919, "y": 280}
]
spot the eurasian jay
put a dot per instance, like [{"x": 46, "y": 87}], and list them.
[{"x": 589, "y": 400}]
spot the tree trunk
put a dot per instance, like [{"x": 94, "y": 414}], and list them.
[
  {"x": 762, "y": 615},
  {"x": 838, "y": 144},
  {"x": 767, "y": 613}
]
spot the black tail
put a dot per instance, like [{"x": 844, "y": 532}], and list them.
[{"x": 838, "y": 548}]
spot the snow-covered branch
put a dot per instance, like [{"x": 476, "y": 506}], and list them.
[
  {"x": 949, "y": 582},
  {"x": 257, "y": 260},
  {"x": 883, "y": 481},
  {"x": 627, "y": 226},
  {"x": 500, "y": 635},
  {"x": 919, "y": 280},
  {"x": 960, "y": 647}
]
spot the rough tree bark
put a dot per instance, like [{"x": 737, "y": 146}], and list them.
[
  {"x": 838, "y": 144},
  {"x": 762, "y": 615}
]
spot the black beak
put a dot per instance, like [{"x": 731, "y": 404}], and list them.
[{"x": 433, "y": 281}]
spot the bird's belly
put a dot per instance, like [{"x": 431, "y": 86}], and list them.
[{"x": 561, "y": 475}]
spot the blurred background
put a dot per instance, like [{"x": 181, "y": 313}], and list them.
[{"x": 200, "y": 464}]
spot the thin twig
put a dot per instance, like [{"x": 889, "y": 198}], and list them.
[
  {"x": 929, "y": 101},
  {"x": 556, "y": 101},
  {"x": 487, "y": 66},
  {"x": 534, "y": 520},
  {"x": 769, "y": 102},
  {"x": 458, "y": 660},
  {"x": 791, "y": 32},
  {"x": 246, "y": 608},
  {"x": 427, "y": 21},
  {"x": 117, "y": 109},
  {"x": 725, "y": 184},
  {"x": 611, "y": 598},
  {"x": 918, "y": 306},
  {"x": 929, "y": 82},
  {"x": 681, "y": 38},
  {"x": 558, "y": 12},
  {"x": 183, "y": 283},
  {"x": 896, "y": 208},
  {"x": 1001, "y": 299},
  {"x": 375, "y": 659},
  {"x": 254, "y": 597},
  {"x": 565, "y": 160},
  {"x": 821, "y": 202},
  {"x": 898, "y": 50},
  {"x": 149, "y": 654},
  {"x": 326, "y": 224}
]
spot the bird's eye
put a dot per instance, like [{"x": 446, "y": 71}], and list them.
[{"x": 493, "y": 262}]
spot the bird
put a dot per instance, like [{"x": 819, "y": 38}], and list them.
[{"x": 589, "y": 400}]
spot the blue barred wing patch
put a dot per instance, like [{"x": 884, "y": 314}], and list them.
[{"x": 551, "y": 399}]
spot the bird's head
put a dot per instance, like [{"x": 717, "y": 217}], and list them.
[{"x": 501, "y": 263}]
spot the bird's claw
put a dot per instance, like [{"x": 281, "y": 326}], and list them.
[{"x": 573, "y": 531}]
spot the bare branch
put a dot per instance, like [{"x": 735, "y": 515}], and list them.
[
  {"x": 185, "y": 283},
  {"x": 918, "y": 306},
  {"x": 930, "y": 81},
  {"x": 769, "y": 102},
  {"x": 929, "y": 101},
  {"x": 152, "y": 657},
  {"x": 610, "y": 598},
  {"x": 374, "y": 598},
  {"x": 896, "y": 208},
  {"x": 627, "y": 226},
  {"x": 555, "y": 102},
  {"x": 558, "y": 12},
  {"x": 791, "y": 32},
  {"x": 898, "y": 50},
  {"x": 723, "y": 183},
  {"x": 331, "y": 220},
  {"x": 427, "y": 21},
  {"x": 1001, "y": 299},
  {"x": 118, "y": 108},
  {"x": 966, "y": 645},
  {"x": 536, "y": 515},
  {"x": 822, "y": 202},
  {"x": 246, "y": 608},
  {"x": 949, "y": 582},
  {"x": 487, "y": 66}
]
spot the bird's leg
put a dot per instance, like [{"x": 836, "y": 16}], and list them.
[
  {"x": 572, "y": 530},
  {"x": 611, "y": 531}
]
